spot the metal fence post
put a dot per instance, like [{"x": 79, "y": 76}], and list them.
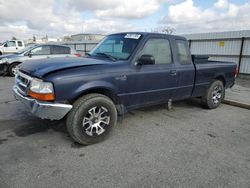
[
  {"x": 241, "y": 51},
  {"x": 189, "y": 44}
]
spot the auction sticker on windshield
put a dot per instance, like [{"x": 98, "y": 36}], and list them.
[{"x": 132, "y": 36}]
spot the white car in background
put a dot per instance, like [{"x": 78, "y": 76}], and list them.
[{"x": 11, "y": 46}]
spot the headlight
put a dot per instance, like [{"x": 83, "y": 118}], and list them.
[
  {"x": 3, "y": 60},
  {"x": 39, "y": 86},
  {"x": 41, "y": 90}
]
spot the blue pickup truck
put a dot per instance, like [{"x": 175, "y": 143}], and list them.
[{"x": 124, "y": 71}]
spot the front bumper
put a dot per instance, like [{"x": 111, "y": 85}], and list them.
[{"x": 44, "y": 110}]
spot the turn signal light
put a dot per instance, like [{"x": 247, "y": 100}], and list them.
[{"x": 42, "y": 96}]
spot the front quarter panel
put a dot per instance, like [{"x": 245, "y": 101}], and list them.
[{"x": 72, "y": 83}]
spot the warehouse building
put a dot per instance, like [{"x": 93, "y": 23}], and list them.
[
  {"x": 87, "y": 37},
  {"x": 83, "y": 42},
  {"x": 231, "y": 46}
]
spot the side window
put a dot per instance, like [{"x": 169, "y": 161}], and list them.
[
  {"x": 159, "y": 49},
  {"x": 60, "y": 50},
  {"x": 41, "y": 50},
  {"x": 10, "y": 44},
  {"x": 20, "y": 44},
  {"x": 183, "y": 54}
]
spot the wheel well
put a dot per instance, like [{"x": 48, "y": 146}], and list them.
[
  {"x": 16, "y": 62},
  {"x": 107, "y": 92},
  {"x": 221, "y": 78}
]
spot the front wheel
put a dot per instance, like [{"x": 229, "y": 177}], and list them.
[
  {"x": 12, "y": 69},
  {"x": 214, "y": 95},
  {"x": 91, "y": 119}
]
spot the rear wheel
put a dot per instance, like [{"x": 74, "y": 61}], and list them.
[
  {"x": 12, "y": 69},
  {"x": 215, "y": 95},
  {"x": 91, "y": 119}
]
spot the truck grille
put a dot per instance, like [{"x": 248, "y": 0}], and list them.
[{"x": 22, "y": 82}]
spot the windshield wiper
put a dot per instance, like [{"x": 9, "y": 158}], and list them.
[{"x": 107, "y": 55}]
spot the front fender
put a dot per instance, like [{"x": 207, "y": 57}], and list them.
[{"x": 93, "y": 85}]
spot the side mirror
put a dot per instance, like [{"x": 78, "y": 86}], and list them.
[
  {"x": 29, "y": 54},
  {"x": 146, "y": 59}
]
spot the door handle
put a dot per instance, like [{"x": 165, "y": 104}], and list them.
[{"x": 173, "y": 72}]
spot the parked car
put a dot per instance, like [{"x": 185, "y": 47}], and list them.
[
  {"x": 123, "y": 72},
  {"x": 8, "y": 63},
  {"x": 11, "y": 46}
]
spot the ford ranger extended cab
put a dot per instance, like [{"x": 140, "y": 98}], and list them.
[{"x": 123, "y": 72}]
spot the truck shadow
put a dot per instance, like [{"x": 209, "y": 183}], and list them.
[
  {"x": 35, "y": 125},
  {"x": 190, "y": 103},
  {"x": 38, "y": 125},
  {"x": 2, "y": 74}
]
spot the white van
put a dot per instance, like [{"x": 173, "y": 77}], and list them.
[{"x": 11, "y": 46}]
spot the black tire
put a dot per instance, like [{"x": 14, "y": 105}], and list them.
[
  {"x": 210, "y": 100},
  {"x": 80, "y": 111},
  {"x": 1, "y": 53},
  {"x": 11, "y": 69}
]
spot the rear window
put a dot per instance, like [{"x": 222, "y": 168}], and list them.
[
  {"x": 183, "y": 54},
  {"x": 60, "y": 50},
  {"x": 20, "y": 44}
]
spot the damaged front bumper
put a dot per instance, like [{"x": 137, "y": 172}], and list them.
[{"x": 42, "y": 109}]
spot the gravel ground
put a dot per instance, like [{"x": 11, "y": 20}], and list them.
[{"x": 187, "y": 146}]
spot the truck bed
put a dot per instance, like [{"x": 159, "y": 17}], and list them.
[{"x": 206, "y": 70}]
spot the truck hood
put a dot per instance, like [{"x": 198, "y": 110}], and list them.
[{"x": 41, "y": 67}]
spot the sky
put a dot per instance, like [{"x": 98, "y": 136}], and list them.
[{"x": 57, "y": 18}]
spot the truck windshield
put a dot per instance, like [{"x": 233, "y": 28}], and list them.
[
  {"x": 2, "y": 44},
  {"x": 116, "y": 47}
]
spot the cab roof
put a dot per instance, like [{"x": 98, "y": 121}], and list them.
[{"x": 152, "y": 34}]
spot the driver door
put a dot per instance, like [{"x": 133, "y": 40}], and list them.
[{"x": 151, "y": 84}]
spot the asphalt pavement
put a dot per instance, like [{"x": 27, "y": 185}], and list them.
[{"x": 188, "y": 146}]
